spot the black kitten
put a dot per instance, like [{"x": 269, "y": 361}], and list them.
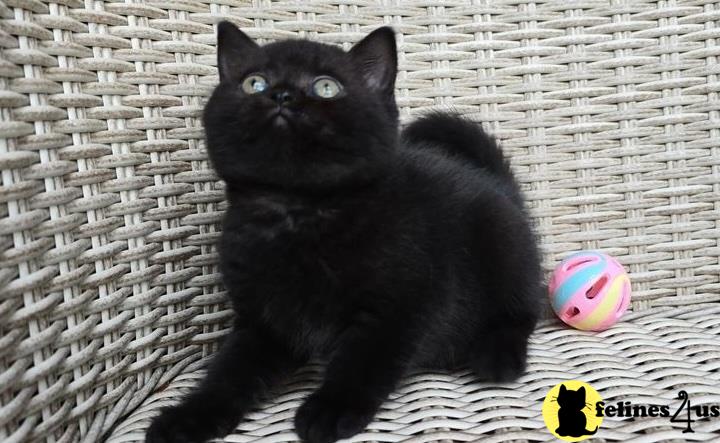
[
  {"x": 570, "y": 415},
  {"x": 348, "y": 240}
]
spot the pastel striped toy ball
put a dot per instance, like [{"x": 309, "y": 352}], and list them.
[{"x": 590, "y": 290}]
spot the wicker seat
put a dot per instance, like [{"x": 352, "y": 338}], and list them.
[
  {"x": 646, "y": 360},
  {"x": 110, "y": 298}
]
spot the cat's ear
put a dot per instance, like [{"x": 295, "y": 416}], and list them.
[
  {"x": 563, "y": 389},
  {"x": 233, "y": 47},
  {"x": 581, "y": 390},
  {"x": 375, "y": 56}
]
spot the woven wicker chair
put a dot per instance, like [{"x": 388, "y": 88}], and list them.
[{"x": 110, "y": 296}]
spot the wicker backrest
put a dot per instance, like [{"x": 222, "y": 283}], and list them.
[{"x": 109, "y": 211}]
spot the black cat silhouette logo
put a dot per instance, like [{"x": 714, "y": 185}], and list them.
[{"x": 569, "y": 411}]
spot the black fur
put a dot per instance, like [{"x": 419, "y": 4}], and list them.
[{"x": 346, "y": 240}]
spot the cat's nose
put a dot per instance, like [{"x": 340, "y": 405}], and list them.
[{"x": 283, "y": 98}]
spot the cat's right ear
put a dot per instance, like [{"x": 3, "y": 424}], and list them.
[
  {"x": 563, "y": 389},
  {"x": 376, "y": 58},
  {"x": 233, "y": 46}
]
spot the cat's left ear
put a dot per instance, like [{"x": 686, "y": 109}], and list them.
[
  {"x": 375, "y": 56},
  {"x": 581, "y": 390},
  {"x": 233, "y": 47}
]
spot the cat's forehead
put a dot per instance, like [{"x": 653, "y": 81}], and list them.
[{"x": 305, "y": 55}]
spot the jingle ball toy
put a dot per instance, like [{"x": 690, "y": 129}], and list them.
[{"x": 589, "y": 290}]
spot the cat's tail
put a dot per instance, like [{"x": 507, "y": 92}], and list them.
[
  {"x": 591, "y": 432},
  {"x": 458, "y": 136}
]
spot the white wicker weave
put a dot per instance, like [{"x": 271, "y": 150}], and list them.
[{"x": 109, "y": 289}]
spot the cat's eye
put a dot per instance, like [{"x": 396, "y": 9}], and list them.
[
  {"x": 326, "y": 87},
  {"x": 254, "y": 83}
]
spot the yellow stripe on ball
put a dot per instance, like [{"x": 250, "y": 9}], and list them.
[{"x": 606, "y": 308}]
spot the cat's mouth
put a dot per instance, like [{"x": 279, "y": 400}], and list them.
[{"x": 281, "y": 117}]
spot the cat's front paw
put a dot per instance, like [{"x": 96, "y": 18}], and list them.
[
  {"x": 325, "y": 417},
  {"x": 502, "y": 357},
  {"x": 503, "y": 368},
  {"x": 179, "y": 424}
]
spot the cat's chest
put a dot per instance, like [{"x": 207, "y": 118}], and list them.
[
  {"x": 291, "y": 289},
  {"x": 285, "y": 269},
  {"x": 277, "y": 256}
]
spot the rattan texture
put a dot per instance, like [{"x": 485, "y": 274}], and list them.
[
  {"x": 645, "y": 361},
  {"x": 109, "y": 209}
]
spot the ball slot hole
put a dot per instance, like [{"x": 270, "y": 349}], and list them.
[
  {"x": 595, "y": 289},
  {"x": 574, "y": 264},
  {"x": 625, "y": 294},
  {"x": 572, "y": 312}
]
